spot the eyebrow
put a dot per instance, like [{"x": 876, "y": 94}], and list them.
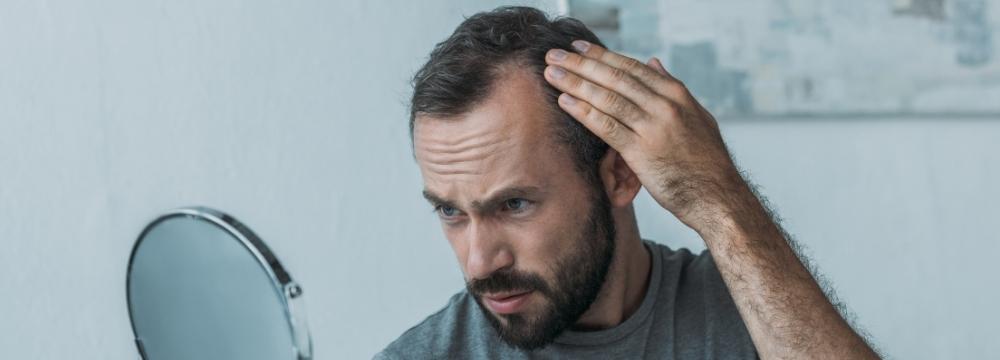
[{"x": 492, "y": 202}]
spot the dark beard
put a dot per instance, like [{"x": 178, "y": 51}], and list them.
[{"x": 579, "y": 278}]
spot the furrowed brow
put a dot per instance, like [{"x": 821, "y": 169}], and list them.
[
  {"x": 494, "y": 201},
  {"x": 436, "y": 200}
]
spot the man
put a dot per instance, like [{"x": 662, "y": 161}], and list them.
[{"x": 531, "y": 154}]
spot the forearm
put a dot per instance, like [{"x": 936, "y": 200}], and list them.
[{"x": 784, "y": 308}]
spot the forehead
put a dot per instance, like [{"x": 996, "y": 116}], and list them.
[{"x": 505, "y": 140}]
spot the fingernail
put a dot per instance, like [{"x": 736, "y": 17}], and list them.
[
  {"x": 558, "y": 54},
  {"x": 567, "y": 99},
  {"x": 556, "y": 72},
  {"x": 581, "y": 46}
]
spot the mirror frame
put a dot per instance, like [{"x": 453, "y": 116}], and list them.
[{"x": 287, "y": 289}]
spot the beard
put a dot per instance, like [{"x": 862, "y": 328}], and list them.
[{"x": 579, "y": 277}]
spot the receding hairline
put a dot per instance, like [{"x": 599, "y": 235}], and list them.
[
  {"x": 512, "y": 69},
  {"x": 502, "y": 71}
]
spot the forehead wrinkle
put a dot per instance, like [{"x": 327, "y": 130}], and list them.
[
  {"x": 467, "y": 163},
  {"x": 471, "y": 153},
  {"x": 472, "y": 157},
  {"x": 443, "y": 144}
]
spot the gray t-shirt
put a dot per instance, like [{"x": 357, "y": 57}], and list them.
[{"x": 687, "y": 313}]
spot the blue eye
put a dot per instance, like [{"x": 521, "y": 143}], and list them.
[
  {"x": 516, "y": 204},
  {"x": 446, "y": 211}
]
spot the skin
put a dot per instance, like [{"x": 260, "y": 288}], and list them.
[
  {"x": 469, "y": 164},
  {"x": 674, "y": 147}
]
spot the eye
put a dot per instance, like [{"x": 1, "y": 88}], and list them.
[
  {"x": 516, "y": 204},
  {"x": 446, "y": 211}
]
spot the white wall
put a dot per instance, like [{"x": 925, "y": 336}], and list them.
[{"x": 291, "y": 116}]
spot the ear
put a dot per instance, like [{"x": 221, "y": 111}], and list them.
[{"x": 620, "y": 182}]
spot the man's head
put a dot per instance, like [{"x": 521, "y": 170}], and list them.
[
  {"x": 464, "y": 69},
  {"x": 521, "y": 187}
]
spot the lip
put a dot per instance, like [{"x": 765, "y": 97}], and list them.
[{"x": 507, "y": 303}]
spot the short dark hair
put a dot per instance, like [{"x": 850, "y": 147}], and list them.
[{"x": 462, "y": 70}]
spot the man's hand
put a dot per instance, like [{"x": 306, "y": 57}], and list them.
[
  {"x": 674, "y": 146},
  {"x": 669, "y": 140}
]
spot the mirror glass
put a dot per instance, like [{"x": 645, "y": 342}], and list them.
[{"x": 202, "y": 286}]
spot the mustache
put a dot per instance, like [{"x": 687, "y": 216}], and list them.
[{"x": 508, "y": 280}]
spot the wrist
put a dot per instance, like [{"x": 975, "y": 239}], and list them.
[{"x": 732, "y": 211}]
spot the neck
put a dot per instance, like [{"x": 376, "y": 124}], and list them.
[{"x": 628, "y": 277}]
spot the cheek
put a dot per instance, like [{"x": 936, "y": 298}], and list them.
[{"x": 542, "y": 243}]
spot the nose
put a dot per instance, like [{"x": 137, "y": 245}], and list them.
[{"x": 488, "y": 251}]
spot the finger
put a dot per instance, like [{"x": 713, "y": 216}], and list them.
[
  {"x": 665, "y": 85},
  {"x": 630, "y": 65},
  {"x": 609, "y": 129},
  {"x": 604, "y": 75},
  {"x": 607, "y": 101},
  {"x": 657, "y": 65}
]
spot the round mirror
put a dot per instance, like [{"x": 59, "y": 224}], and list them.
[{"x": 203, "y": 286}]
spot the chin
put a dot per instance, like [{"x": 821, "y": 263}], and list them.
[{"x": 530, "y": 329}]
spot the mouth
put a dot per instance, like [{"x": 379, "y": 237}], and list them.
[{"x": 508, "y": 302}]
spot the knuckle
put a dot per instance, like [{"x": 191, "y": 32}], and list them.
[
  {"x": 617, "y": 74},
  {"x": 574, "y": 82},
  {"x": 622, "y": 107},
  {"x": 639, "y": 87},
  {"x": 611, "y": 127},
  {"x": 593, "y": 116},
  {"x": 584, "y": 113},
  {"x": 610, "y": 99},
  {"x": 615, "y": 104},
  {"x": 670, "y": 110},
  {"x": 631, "y": 65}
]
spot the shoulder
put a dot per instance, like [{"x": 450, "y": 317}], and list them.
[
  {"x": 706, "y": 317},
  {"x": 686, "y": 268},
  {"x": 680, "y": 266},
  {"x": 439, "y": 334}
]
